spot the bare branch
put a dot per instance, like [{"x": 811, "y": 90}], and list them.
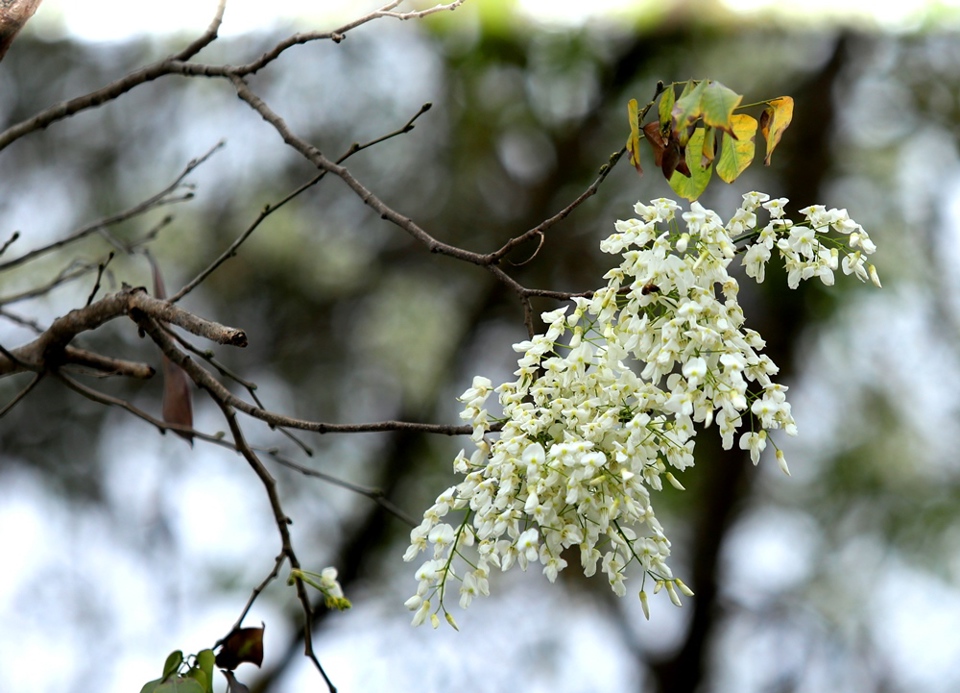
[
  {"x": 337, "y": 35},
  {"x": 23, "y": 393},
  {"x": 67, "y": 274},
  {"x": 206, "y": 381},
  {"x": 563, "y": 213},
  {"x": 384, "y": 12},
  {"x": 167, "y": 312},
  {"x": 106, "y": 366},
  {"x": 282, "y": 522},
  {"x": 281, "y": 559},
  {"x": 374, "y": 494},
  {"x": 270, "y": 209},
  {"x": 208, "y": 37},
  {"x": 313, "y": 155},
  {"x": 159, "y": 199},
  {"x": 13, "y": 15},
  {"x": 109, "y": 400},
  {"x": 47, "y": 350},
  {"x": 176, "y": 64}
]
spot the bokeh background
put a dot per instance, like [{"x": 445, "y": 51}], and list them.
[{"x": 118, "y": 545}]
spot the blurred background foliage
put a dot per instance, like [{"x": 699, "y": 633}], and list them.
[{"x": 121, "y": 544}]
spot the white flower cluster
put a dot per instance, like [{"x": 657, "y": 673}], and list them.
[{"x": 606, "y": 402}]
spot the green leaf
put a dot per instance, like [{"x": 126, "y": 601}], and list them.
[
  {"x": 687, "y": 109},
  {"x": 179, "y": 685},
  {"x": 737, "y": 153},
  {"x": 665, "y": 109},
  {"x": 691, "y": 188},
  {"x": 718, "y": 103},
  {"x": 174, "y": 660},
  {"x": 205, "y": 662},
  {"x": 633, "y": 142},
  {"x": 774, "y": 120},
  {"x": 201, "y": 677}
]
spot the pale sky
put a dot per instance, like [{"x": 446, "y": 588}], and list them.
[{"x": 105, "y": 20}]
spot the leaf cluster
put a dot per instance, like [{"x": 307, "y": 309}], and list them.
[
  {"x": 701, "y": 130},
  {"x": 194, "y": 674}
]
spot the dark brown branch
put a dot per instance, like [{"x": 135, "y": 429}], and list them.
[
  {"x": 114, "y": 89},
  {"x": 281, "y": 559},
  {"x": 176, "y": 65},
  {"x": 283, "y": 527},
  {"x": 490, "y": 260},
  {"x": 14, "y": 14},
  {"x": 314, "y": 155},
  {"x": 207, "y": 382},
  {"x": 14, "y": 237},
  {"x": 110, "y": 401},
  {"x": 48, "y": 350},
  {"x": 270, "y": 209},
  {"x": 96, "y": 285}
]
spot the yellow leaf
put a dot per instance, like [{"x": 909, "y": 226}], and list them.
[
  {"x": 774, "y": 120},
  {"x": 633, "y": 142},
  {"x": 709, "y": 149},
  {"x": 737, "y": 153}
]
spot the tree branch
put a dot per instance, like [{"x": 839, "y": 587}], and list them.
[
  {"x": 48, "y": 350},
  {"x": 158, "y": 200}
]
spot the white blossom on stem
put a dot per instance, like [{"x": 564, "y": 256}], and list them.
[{"x": 607, "y": 402}]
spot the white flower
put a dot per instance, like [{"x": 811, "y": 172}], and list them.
[
  {"x": 606, "y": 400},
  {"x": 755, "y": 443}
]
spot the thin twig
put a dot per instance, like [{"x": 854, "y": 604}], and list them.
[
  {"x": 540, "y": 228},
  {"x": 96, "y": 286},
  {"x": 208, "y": 37},
  {"x": 281, "y": 559},
  {"x": 231, "y": 251},
  {"x": 159, "y": 199},
  {"x": 109, "y": 400},
  {"x": 249, "y": 386},
  {"x": 63, "y": 277},
  {"x": 23, "y": 393},
  {"x": 283, "y": 527},
  {"x": 10, "y": 241},
  {"x": 22, "y": 321},
  {"x": 205, "y": 380},
  {"x": 374, "y": 494}
]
